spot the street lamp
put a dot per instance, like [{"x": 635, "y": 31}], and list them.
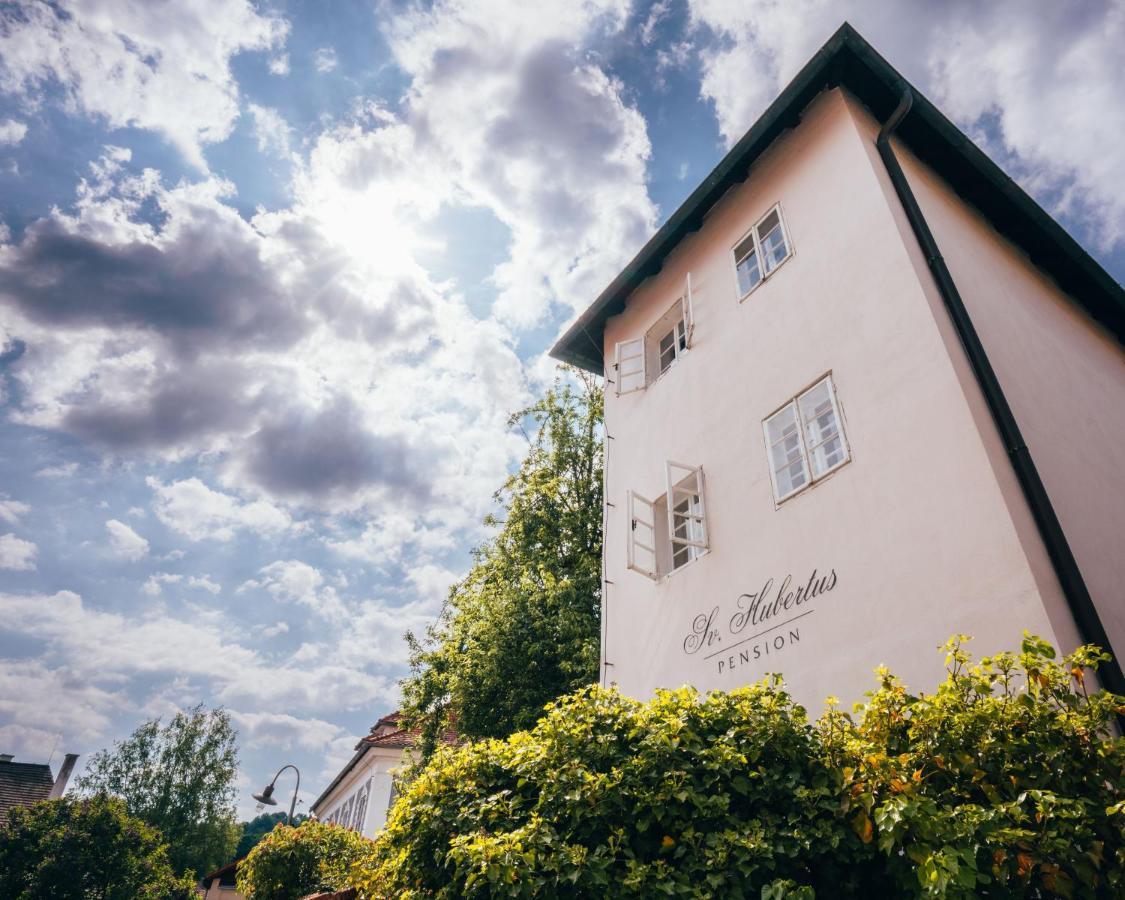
[{"x": 266, "y": 796}]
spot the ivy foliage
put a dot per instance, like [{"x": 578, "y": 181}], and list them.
[
  {"x": 522, "y": 627},
  {"x": 1005, "y": 782},
  {"x": 292, "y": 862},
  {"x": 71, "y": 849},
  {"x": 179, "y": 778}
]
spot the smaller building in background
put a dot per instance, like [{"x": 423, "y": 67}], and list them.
[
  {"x": 22, "y": 784},
  {"x": 361, "y": 795},
  {"x": 220, "y": 883}
]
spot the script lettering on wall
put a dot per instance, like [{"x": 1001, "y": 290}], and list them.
[{"x": 762, "y": 623}]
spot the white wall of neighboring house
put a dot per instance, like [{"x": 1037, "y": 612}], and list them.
[
  {"x": 362, "y": 799},
  {"x": 921, "y": 534}
]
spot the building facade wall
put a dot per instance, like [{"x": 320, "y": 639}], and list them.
[
  {"x": 915, "y": 531},
  {"x": 372, "y": 779},
  {"x": 1064, "y": 377}
]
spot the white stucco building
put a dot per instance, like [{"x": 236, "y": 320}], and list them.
[
  {"x": 833, "y": 443},
  {"x": 361, "y": 795}
]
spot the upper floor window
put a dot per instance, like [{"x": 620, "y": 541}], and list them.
[
  {"x": 642, "y": 360},
  {"x": 762, "y": 250},
  {"x": 805, "y": 439},
  {"x": 671, "y": 531}
]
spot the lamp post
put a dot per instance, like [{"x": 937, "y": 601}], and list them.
[{"x": 266, "y": 796}]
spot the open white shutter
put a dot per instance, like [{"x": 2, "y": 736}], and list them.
[
  {"x": 642, "y": 535},
  {"x": 689, "y": 312},
  {"x": 629, "y": 361},
  {"x": 687, "y": 514}
]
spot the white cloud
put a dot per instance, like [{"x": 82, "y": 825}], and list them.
[
  {"x": 11, "y": 510},
  {"x": 279, "y": 65},
  {"x": 17, "y": 554},
  {"x": 1048, "y": 78},
  {"x": 154, "y": 585},
  {"x": 280, "y": 731},
  {"x": 11, "y": 132},
  {"x": 325, "y": 59},
  {"x": 136, "y": 512},
  {"x": 40, "y": 700},
  {"x": 161, "y": 67},
  {"x": 97, "y": 648},
  {"x": 204, "y": 583},
  {"x": 62, "y": 471},
  {"x": 275, "y": 629},
  {"x": 125, "y": 542},
  {"x": 538, "y": 134},
  {"x": 198, "y": 512},
  {"x": 293, "y": 581},
  {"x": 270, "y": 129}
]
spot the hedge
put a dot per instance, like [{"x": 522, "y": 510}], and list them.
[{"x": 1005, "y": 782}]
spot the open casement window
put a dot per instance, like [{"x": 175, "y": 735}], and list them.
[
  {"x": 643, "y": 555},
  {"x": 762, "y": 250},
  {"x": 670, "y": 337},
  {"x": 671, "y": 530},
  {"x": 687, "y": 520},
  {"x": 805, "y": 439},
  {"x": 630, "y": 365},
  {"x": 641, "y": 361}
]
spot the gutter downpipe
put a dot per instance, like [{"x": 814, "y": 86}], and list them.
[{"x": 1074, "y": 588}]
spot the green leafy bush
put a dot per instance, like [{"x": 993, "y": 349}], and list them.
[
  {"x": 90, "y": 849},
  {"x": 289, "y": 862},
  {"x": 1004, "y": 783}
]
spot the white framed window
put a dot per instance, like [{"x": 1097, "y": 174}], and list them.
[
  {"x": 640, "y": 361},
  {"x": 805, "y": 439},
  {"x": 670, "y": 531},
  {"x": 765, "y": 247}
]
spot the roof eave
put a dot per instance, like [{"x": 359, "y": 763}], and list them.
[{"x": 847, "y": 59}]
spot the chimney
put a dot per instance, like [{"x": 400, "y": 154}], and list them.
[{"x": 63, "y": 777}]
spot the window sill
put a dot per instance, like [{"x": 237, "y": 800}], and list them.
[{"x": 668, "y": 575}]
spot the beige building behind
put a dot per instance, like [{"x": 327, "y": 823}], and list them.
[{"x": 809, "y": 466}]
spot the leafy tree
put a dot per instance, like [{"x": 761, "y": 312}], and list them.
[
  {"x": 70, "y": 849},
  {"x": 522, "y": 628},
  {"x": 258, "y": 827},
  {"x": 1007, "y": 782},
  {"x": 179, "y": 778},
  {"x": 292, "y": 862}
]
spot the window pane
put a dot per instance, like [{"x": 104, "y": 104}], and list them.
[
  {"x": 686, "y": 527},
  {"x": 768, "y": 223},
  {"x": 667, "y": 351},
  {"x": 748, "y": 274},
  {"x": 822, "y": 430},
  {"x": 786, "y": 457},
  {"x": 781, "y": 424},
  {"x": 773, "y": 246}
]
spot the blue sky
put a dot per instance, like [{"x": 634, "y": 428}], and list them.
[{"x": 273, "y": 276}]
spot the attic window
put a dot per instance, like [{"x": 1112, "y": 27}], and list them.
[
  {"x": 761, "y": 251},
  {"x": 639, "y": 362}
]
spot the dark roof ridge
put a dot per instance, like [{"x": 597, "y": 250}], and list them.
[{"x": 848, "y": 60}]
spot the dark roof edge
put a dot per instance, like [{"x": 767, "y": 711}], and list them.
[{"x": 847, "y": 59}]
